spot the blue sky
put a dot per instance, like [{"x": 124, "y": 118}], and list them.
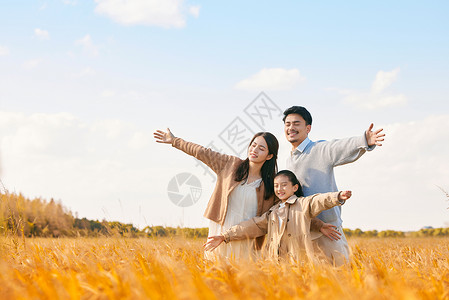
[{"x": 83, "y": 84}]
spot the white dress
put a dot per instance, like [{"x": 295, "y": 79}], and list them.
[{"x": 242, "y": 206}]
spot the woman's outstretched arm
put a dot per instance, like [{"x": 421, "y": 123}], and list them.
[{"x": 214, "y": 160}]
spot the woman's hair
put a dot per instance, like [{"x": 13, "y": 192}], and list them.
[
  {"x": 292, "y": 178},
  {"x": 269, "y": 167}
]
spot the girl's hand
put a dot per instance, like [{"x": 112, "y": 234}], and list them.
[
  {"x": 213, "y": 242},
  {"x": 164, "y": 137},
  {"x": 330, "y": 231},
  {"x": 344, "y": 195}
]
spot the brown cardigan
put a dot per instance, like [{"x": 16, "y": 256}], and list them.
[{"x": 224, "y": 166}]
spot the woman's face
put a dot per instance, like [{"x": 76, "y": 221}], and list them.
[
  {"x": 284, "y": 188},
  {"x": 258, "y": 151}
]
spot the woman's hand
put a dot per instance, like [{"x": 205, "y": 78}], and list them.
[
  {"x": 164, "y": 137},
  {"x": 330, "y": 231},
  {"x": 213, "y": 242}
]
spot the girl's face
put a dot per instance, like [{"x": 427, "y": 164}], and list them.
[
  {"x": 283, "y": 187},
  {"x": 258, "y": 151}
]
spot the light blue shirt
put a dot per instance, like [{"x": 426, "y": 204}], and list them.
[
  {"x": 302, "y": 146},
  {"x": 313, "y": 164}
]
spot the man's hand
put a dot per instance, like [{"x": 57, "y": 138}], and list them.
[
  {"x": 374, "y": 137},
  {"x": 330, "y": 231}
]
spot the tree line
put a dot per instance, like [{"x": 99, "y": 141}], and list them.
[{"x": 41, "y": 218}]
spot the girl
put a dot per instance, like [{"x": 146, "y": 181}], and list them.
[
  {"x": 287, "y": 224},
  {"x": 244, "y": 188}
]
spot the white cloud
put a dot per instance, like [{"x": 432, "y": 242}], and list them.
[
  {"x": 86, "y": 72},
  {"x": 108, "y": 93},
  {"x": 43, "y": 6},
  {"x": 41, "y": 34},
  {"x": 389, "y": 101},
  {"x": 271, "y": 79},
  {"x": 378, "y": 96},
  {"x": 163, "y": 13},
  {"x": 112, "y": 129},
  {"x": 371, "y": 101},
  {"x": 31, "y": 64},
  {"x": 86, "y": 164},
  {"x": 384, "y": 80},
  {"x": 195, "y": 11},
  {"x": 128, "y": 95},
  {"x": 40, "y": 134},
  {"x": 4, "y": 51},
  {"x": 139, "y": 141},
  {"x": 70, "y": 2},
  {"x": 88, "y": 46},
  {"x": 135, "y": 95}
]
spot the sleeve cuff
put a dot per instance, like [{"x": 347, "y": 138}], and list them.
[
  {"x": 226, "y": 236},
  {"x": 367, "y": 147},
  {"x": 341, "y": 202}
]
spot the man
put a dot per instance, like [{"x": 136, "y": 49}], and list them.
[{"x": 313, "y": 164}]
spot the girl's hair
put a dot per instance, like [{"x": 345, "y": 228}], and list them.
[
  {"x": 292, "y": 178},
  {"x": 269, "y": 167}
]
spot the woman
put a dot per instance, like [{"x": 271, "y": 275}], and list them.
[{"x": 244, "y": 188}]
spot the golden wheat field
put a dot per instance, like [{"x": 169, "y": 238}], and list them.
[{"x": 123, "y": 268}]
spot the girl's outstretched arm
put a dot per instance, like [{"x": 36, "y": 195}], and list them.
[{"x": 319, "y": 202}]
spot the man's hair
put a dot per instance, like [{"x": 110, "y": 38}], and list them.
[{"x": 302, "y": 111}]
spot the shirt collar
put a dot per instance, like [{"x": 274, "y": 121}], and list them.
[
  {"x": 302, "y": 146},
  {"x": 290, "y": 200}
]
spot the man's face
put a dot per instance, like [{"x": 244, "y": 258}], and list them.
[{"x": 295, "y": 129}]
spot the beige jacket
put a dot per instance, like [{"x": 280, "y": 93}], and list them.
[
  {"x": 287, "y": 226},
  {"x": 224, "y": 166}
]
